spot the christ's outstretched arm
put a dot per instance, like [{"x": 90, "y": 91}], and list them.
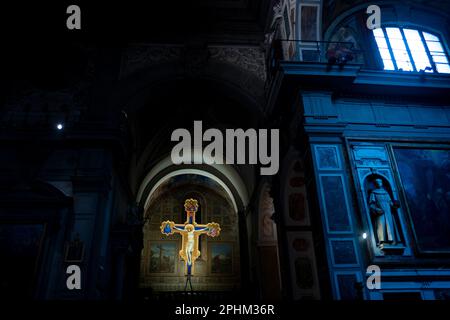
[
  {"x": 201, "y": 229},
  {"x": 179, "y": 228}
]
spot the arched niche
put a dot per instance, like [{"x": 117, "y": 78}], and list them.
[
  {"x": 225, "y": 175},
  {"x": 218, "y": 266},
  {"x": 350, "y": 32},
  {"x": 266, "y": 254},
  {"x": 382, "y": 208},
  {"x": 369, "y": 183},
  {"x": 227, "y": 179},
  {"x": 267, "y": 231}
]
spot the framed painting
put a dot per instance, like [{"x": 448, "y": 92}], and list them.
[
  {"x": 425, "y": 178},
  {"x": 163, "y": 257},
  {"x": 309, "y": 17},
  {"x": 327, "y": 157},
  {"x": 74, "y": 251},
  {"x": 221, "y": 257}
]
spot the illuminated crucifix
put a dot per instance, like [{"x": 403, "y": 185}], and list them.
[{"x": 190, "y": 232}]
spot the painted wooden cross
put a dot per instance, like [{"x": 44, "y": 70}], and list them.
[{"x": 190, "y": 232}]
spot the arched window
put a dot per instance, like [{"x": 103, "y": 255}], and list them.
[{"x": 405, "y": 49}]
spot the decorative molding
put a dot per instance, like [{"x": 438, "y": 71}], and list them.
[
  {"x": 370, "y": 156},
  {"x": 138, "y": 57},
  {"x": 251, "y": 59},
  {"x": 267, "y": 233}
]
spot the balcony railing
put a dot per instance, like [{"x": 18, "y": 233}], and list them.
[{"x": 328, "y": 52}]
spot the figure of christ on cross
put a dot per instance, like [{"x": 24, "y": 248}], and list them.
[{"x": 190, "y": 232}]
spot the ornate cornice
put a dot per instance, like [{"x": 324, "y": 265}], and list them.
[{"x": 140, "y": 57}]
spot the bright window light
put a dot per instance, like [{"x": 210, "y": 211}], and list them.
[{"x": 404, "y": 49}]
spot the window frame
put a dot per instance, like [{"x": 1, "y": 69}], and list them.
[{"x": 420, "y": 30}]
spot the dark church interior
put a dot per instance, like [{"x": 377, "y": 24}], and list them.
[{"x": 352, "y": 96}]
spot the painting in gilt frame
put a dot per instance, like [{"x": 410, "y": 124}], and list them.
[
  {"x": 425, "y": 178},
  {"x": 221, "y": 258},
  {"x": 163, "y": 257}
]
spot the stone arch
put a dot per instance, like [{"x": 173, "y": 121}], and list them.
[
  {"x": 226, "y": 176},
  {"x": 218, "y": 267},
  {"x": 138, "y": 88},
  {"x": 151, "y": 137},
  {"x": 146, "y": 88},
  {"x": 238, "y": 69},
  {"x": 233, "y": 188}
]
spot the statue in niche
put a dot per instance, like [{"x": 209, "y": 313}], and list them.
[
  {"x": 381, "y": 208},
  {"x": 267, "y": 209}
]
